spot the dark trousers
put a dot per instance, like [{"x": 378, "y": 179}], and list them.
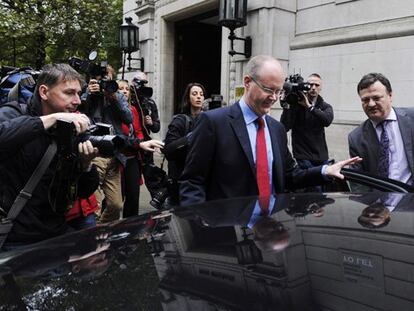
[
  {"x": 305, "y": 164},
  {"x": 132, "y": 174}
]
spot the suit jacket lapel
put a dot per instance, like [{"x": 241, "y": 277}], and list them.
[
  {"x": 239, "y": 127},
  {"x": 372, "y": 144},
  {"x": 278, "y": 164},
  {"x": 406, "y": 129}
]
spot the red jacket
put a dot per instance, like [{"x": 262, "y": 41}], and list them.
[
  {"x": 138, "y": 133},
  {"x": 82, "y": 207},
  {"x": 136, "y": 123}
]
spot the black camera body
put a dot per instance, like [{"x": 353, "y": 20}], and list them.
[
  {"x": 99, "y": 134},
  {"x": 92, "y": 69},
  {"x": 215, "y": 101},
  {"x": 145, "y": 106},
  {"x": 88, "y": 67},
  {"x": 165, "y": 191},
  {"x": 291, "y": 88},
  {"x": 109, "y": 86},
  {"x": 140, "y": 96}
]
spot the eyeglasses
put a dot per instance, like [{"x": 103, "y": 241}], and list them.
[
  {"x": 266, "y": 89},
  {"x": 314, "y": 84}
]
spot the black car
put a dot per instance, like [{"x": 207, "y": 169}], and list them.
[{"x": 310, "y": 251}]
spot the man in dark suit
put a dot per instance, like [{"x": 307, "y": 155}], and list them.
[
  {"x": 221, "y": 160},
  {"x": 385, "y": 139}
]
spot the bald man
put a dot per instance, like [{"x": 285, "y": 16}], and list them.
[{"x": 224, "y": 159}]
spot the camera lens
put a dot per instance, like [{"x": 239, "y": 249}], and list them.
[
  {"x": 107, "y": 145},
  {"x": 111, "y": 86}
]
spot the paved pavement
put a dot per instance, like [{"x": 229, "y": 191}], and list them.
[{"x": 145, "y": 197}]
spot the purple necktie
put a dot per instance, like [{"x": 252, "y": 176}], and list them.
[{"x": 384, "y": 151}]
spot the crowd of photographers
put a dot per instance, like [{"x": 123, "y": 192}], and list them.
[
  {"x": 64, "y": 152},
  {"x": 104, "y": 151}
]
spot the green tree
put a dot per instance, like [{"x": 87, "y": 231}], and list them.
[{"x": 36, "y": 32}]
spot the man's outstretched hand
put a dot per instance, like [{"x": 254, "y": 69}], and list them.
[
  {"x": 151, "y": 145},
  {"x": 334, "y": 170}
]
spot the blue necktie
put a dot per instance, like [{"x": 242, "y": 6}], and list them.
[{"x": 384, "y": 151}]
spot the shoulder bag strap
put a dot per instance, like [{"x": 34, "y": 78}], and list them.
[
  {"x": 188, "y": 121},
  {"x": 26, "y": 193}
]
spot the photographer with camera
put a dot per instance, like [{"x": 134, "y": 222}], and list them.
[
  {"x": 141, "y": 99},
  {"x": 133, "y": 166},
  {"x": 149, "y": 122},
  {"x": 102, "y": 102},
  {"x": 307, "y": 118},
  {"x": 26, "y": 133}
]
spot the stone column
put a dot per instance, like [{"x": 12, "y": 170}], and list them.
[{"x": 145, "y": 12}]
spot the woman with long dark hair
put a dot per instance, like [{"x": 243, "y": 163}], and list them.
[{"x": 176, "y": 137}]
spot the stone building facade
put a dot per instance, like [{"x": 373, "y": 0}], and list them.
[{"x": 340, "y": 39}]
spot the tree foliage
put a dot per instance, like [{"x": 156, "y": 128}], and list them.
[{"x": 36, "y": 32}]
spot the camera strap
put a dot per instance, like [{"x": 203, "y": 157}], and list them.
[
  {"x": 26, "y": 193},
  {"x": 188, "y": 122}
]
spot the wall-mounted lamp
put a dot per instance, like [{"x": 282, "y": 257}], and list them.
[
  {"x": 232, "y": 15},
  {"x": 129, "y": 43}
]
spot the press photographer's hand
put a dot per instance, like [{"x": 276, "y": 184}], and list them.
[
  {"x": 148, "y": 120},
  {"x": 87, "y": 153},
  {"x": 93, "y": 86},
  {"x": 303, "y": 100},
  {"x": 80, "y": 121}
]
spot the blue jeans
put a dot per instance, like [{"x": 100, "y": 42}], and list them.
[{"x": 83, "y": 222}]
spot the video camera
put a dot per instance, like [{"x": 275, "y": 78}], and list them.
[
  {"x": 99, "y": 134},
  {"x": 215, "y": 101},
  {"x": 87, "y": 66},
  {"x": 292, "y": 86},
  {"x": 140, "y": 95}
]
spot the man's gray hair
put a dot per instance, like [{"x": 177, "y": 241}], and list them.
[
  {"x": 53, "y": 74},
  {"x": 255, "y": 64}
]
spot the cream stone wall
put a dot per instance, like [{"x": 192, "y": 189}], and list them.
[
  {"x": 340, "y": 39},
  {"x": 343, "y": 40}
]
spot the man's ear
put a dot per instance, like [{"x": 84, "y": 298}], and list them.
[
  {"x": 246, "y": 81},
  {"x": 43, "y": 89}
]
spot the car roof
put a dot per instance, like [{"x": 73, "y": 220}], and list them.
[{"x": 214, "y": 254}]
